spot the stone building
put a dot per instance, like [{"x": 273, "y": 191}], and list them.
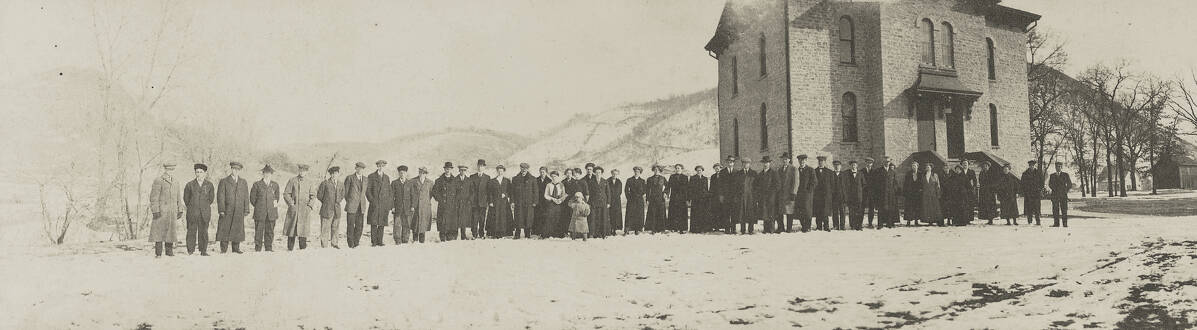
[{"x": 908, "y": 79}]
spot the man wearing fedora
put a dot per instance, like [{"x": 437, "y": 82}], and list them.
[
  {"x": 264, "y": 198},
  {"x": 478, "y": 184},
  {"x": 444, "y": 190},
  {"x": 167, "y": 208},
  {"x": 378, "y": 193},
  {"x": 355, "y": 205},
  {"x": 198, "y": 196},
  {"x": 232, "y": 203},
  {"x": 803, "y": 193},
  {"x": 464, "y": 206},
  {"x": 744, "y": 207},
  {"x": 824, "y": 194},
  {"x": 524, "y": 194}
]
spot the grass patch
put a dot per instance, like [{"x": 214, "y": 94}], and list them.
[{"x": 1164, "y": 208}]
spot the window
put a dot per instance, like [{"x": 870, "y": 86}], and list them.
[
  {"x": 847, "y": 40},
  {"x": 991, "y": 62},
  {"x": 735, "y": 76},
  {"x": 949, "y": 48},
  {"x": 764, "y": 70},
  {"x": 764, "y": 130},
  {"x": 848, "y": 116},
  {"x": 736, "y": 136},
  {"x": 993, "y": 125},
  {"x": 928, "y": 30}
]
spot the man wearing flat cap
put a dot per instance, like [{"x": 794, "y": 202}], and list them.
[
  {"x": 355, "y": 205},
  {"x": 745, "y": 209},
  {"x": 232, "y": 204},
  {"x": 198, "y": 196},
  {"x": 478, "y": 184},
  {"x": 824, "y": 190},
  {"x": 766, "y": 194},
  {"x": 1032, "y": 191},
  {"x": 300, "y": 196},
  {"x": 444, "y": 190},
  {"x": 330, "y": 194},
  {"x": 422, "y": 211},
  {"x": 524, "y": 195},
  {"x": 403, "y": 201},
  {"x": 264, "y": 197},
  {"x": 804, "y": 192},
  {"x": 378, "y": 193},
  {"x": 786, "y": 177},
  {"x": 464, "y": 208},
  {"x": 166, "y": 207}
]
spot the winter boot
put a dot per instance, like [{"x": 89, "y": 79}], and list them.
[
  {"x": 303, "y": 243},
  {"x": 291, "y": 243},
  {"x": 157, "y": 249},
  {"x": 170, "y": 249}
]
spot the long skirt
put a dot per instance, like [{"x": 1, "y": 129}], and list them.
[
  {"x": 598, "y": 222},
  {"x": 655, "y": 220},
  {"x": 499, "y": 220},
  {"x": 635, "y": 216},
  {"x": 615, "y": 216},
  {"x": 551, "y": 224},
  {"x": 700, "y": 216},
  {"x": 987, "y": 206},
  {"x": 679, "y": 215},
  {"x": 1009, "y": 207}
]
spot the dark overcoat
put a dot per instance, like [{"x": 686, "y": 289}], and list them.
[
  {"x": 911, "y": 194},
  {"x": 635, "y": 191},
  {"x": 466, "y": 199},
  {"x": 824, "y": 194},
  {"x": 330, "y": 196},
  {"x": 852, "y": 187},
  {"x": 378, "y": 192},
  {"x": 765, "y": 186},
  {"x": 263, "y": 197},
  {"x": 232, "y": 201},
  {"x": 444, "y": 190},
  {"x": 499, "y": 218},
  {"x": 655, "y": 218},
  {"x": 615, "y": 193},
  {"x": 1007, "y": 191},
  {"x": 745, "y": 207},
  {"x": 355, "y": 194},
  {"x": 804, "y": 192},
  {"x": 198, "y": 197}
]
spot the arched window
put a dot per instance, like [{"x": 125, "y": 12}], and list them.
[
  {"x": 949, "y": 45},
  {"x": 764, "y": 129},
  {"x": 848, "y": 116},
  {"x": 847, "y": 40},
  {"x": 928, "y": 30},
  {"x": 762, "y": 52},
  {"x": 990, "y": 60},
  {"x": 993, "y": 125},
  {"x": 736, "y": 136}
]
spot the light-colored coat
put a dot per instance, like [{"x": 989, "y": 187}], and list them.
[
  {"x": 167, "y": 203},
  {"x": 421, "y": 192},
  {"x": 300, "y": 196}
]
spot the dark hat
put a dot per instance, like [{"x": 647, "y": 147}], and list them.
[
  {"x": 380, "y": 162},
  {"x": 303, "y": 167},
  {"x": 785, "y": 155},
  {"x": 524, "y": 166},
  {"x": 802, "y": 157},
  {"x": 637, "y": 169},
  {"x": 448, "y": 164},
  {"x": 168, "y": 165},
  {"x": 1060, "y": 163},
  {"x": 236, "y": 165},
  {"x": 201, "y": 167},
  {"x": 359, "y": 165},
  {"x": 868, "y": 159},
  {"x": 423, "y": 170},
  {"x": 267, "y": 169},
  {"x": 481, "y": 162},
  {"x": 401, "y": 168},
  {"x": 698, "y": 168},
  {"x": 821, "y": 157},
  {"x": 334, "y": 169},
  {"x": 1030, "y": 162},
  {"x": 679, "y": 165},
  {"x": 546, "y": 168},
  {"x": 731, "y": 158},
  {"x": 717, "y": 165},
  {"x": 850, "y": 162},
  {"x": 835, "y": 162},
  {"x": 590, "y": 165},
  {"x": 500, "y": 167},
  {"x": 598, "y": 168},
  {"x": 766, "y": 159}
]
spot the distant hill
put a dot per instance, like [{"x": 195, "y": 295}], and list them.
[{"x": 429, "y": 149}]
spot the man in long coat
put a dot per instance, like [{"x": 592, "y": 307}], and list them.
[
  {"x": 444, "y": 190},
  {"x": 615, "y": 194},
  {"x": 198, "y": 196},
  {"x": 402, "y": 201},
  {"x": 166, "y": 207},
  {"x": 300, "y": 196},
  {"x": 479, "y": 185},
  {"x": 599, "y": 202},
  {"x": 232, "y": 205},
  {"x": 525, "y": 195},
  {"x": 970, "y": 200},
  {"x": 823, "y": 194},
  {"x": 853, "y": 188},
  {"x": 421, "y": 205},
  {"x": 655, "y": 220},
  {"x": 989, "y": 180},
  {"x": 1060, "y": 183},
  {"x": 466, "y": 199},
  {"x": 264, "y": 197},
  {"x": 355, "y": 205},
  {"x": 912, "y": 195},
  {"x": 804, "y": 192},
  {"x": 837, "y": 197},
  {"x": 766, "y": 194},
  {"x": 1032, "y": 191},
  {"x": 786, "y": 178},
  {"x": 869, "y": 193},
  {"x": 745, "y": 204},
  {"x": 718, "y": 209},
  {"x": 635, "y": 191},
  {"x": 499, "y": 216},
  {"x": 542, "y": 206},
  {"x": 887, "y": 200},
  {"x": 331, "y": 193},
  {"x": 378, "y": 193},
  {"x": 700, "y": 197}
]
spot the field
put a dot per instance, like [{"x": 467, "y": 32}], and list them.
[{"x": 1106, "y": 271}]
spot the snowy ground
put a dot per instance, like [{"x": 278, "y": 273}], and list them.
[{"x": 1106, "y": 271}]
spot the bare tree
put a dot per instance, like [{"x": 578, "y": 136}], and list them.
[
  {"x": 1184, "y": 105},
  {"x": 1124, "y": 105}
]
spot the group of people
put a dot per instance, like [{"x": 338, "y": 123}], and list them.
[{"x": 586, "y": 202}]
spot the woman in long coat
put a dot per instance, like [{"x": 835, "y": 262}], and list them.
[
  {"x": 955, "y": 195},
  {"x": 635, "y": 191},
  {"x": 615, "y": 194},
  {"x": 888, "y": 203},
  {"x": 499, "y": 217},
  {"x": 300, "y": 196},
  {"x": 655, "y": 220},
  {"x": 678, "y": 192},
  {"x": 930, "y": 206},
  {"x": 554, "y": 195},
  {"x": 421, "y": 191},
  {"x": 989, "y": 181},
  {"x": 1007, "y": 191},
  {"x": 579, "y": 211}
]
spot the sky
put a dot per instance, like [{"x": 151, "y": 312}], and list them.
[{"x": 363, "y": 70}]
